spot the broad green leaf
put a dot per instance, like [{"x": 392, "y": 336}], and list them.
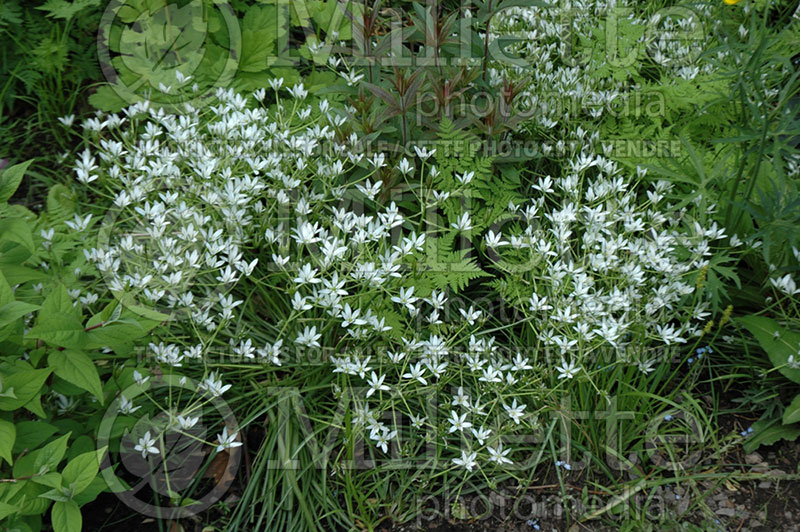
[
  {"x": 26, "y": 385},
  {"x": 107, "y": 99},
  {"x": 31, "y": 434},
  {"x": 120, "y": 332},
  {"x": 35, "y": 406},
  {"x": 129, "y": 302},
  {"x": 58, "y": 301},
  {"x": 110, "y": 313},
  {"x": 163, "y": 41},
  {"x": 63, "y": 330},
  {"x": 259, "y": 32},
  {"x": 90, "y": 493},
  {"x": 792, "y": 412},
  {"x": 20, "y": 274},
  {"x": 51, "y": 480},
  {"x": 15, "y": 310},
  {"x": 66, "y": 517},
  {"x": 777, "y": 342},
  {"x": 41, "y": 460},
  {"x": 331, "y": 16},
  {"x": 29, "y": 499},
  {"x": 81, "y": 444},
  {"x": 6, "y": 295},
  {"x": 10, "y": 178},
  {"x": 55, "y": 494},
  {"x": 77, "y": 368},
  {"x": 51, "y": 454},
  {"x": 7, "y": 509},
  {"x": 81, "y": 470},
  {"x": 8, "y": 434},
  {"x": 9, "y": 491},
  {"x": 18, "y": 231},
  {"x": 767, "y": 432}
]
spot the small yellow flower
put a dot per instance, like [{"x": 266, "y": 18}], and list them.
[{"x": 731, "y": 2}]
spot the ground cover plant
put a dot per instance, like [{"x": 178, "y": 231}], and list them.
[{"x": 349, "y": 266}]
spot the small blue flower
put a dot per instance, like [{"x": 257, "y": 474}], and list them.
[
  {"x": 703, "y": 351},
  {"x": 668, "y": 417},
  {"x": 533, "y": 524},
  {"x": 746, "y": 433}
]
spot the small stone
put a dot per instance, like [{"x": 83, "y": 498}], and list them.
[
  {"x": 753, "y": 458},
  {"x": 683, "y": 505},
  {"x": 727, "y": 512},
  {"x": 765, "y": 484}
]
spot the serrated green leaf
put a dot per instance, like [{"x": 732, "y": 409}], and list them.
[
  {"x": 61, "y": 204},
  {"x": 161, "y": 42},
  {"x": 10, "y": 178},
  {"x": 77, "y": 368},
  {"x": 259, "y": 33},
  {"x": 106, "y": 98},
  {"x": 66, "y": 10}
]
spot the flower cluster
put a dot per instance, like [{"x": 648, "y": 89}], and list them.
[
  {"x": 265, "y": 195},
  {"x": 605, "y": 270},
  {"x": 248, "y": 194}
]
